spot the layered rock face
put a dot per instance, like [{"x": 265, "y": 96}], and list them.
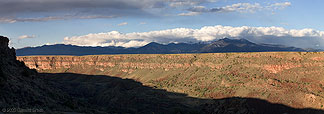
[{"x": 292, "y": 78}]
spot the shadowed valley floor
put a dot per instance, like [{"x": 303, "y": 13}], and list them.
[{"x": 116, "y": 95}]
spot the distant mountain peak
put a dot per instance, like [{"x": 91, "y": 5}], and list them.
[
  {"x": 152, "y": 44},
  {"x": 228, "y": 40},
  {"x": 225, "y": 39}
]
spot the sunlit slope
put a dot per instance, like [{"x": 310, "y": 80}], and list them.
[{"x": 291, "y": 78}]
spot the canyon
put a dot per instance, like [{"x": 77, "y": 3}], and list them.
[
  {"x": 159, "y": 84},
  {"x": 295, "y": 79}
]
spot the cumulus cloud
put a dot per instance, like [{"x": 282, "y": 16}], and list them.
[
  {"x": 305, "y": 38},
  {"x": 238, "y": 7},
  {"x": 122, "y": 24},
  {"x": 26, "y": 37}
]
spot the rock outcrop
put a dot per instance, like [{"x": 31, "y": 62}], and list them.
[{"x": 23, "y": 90}]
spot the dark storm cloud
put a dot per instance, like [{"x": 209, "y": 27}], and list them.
[
  {"x": 43, "y": 10},
  {"x": 51, "y": 18},
  {"x": 8, "y": 7}
]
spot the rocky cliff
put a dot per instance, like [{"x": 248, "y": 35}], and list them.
[
  {"x": 22, "y": 90},
  {"x": 292, "y": 78}
]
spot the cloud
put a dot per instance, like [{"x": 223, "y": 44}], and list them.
[
  {"x": 7, "y": 20},
  {"x": 12, "y": 11},
  {"x": 45, "y": 10},
  {"x": 189, "y": 14},
  {"x": 20, "y": 6},
  {"x": 142, "y": 23},
  {"x": 52, "y": 18},
  {"x": 238, "y": 7},
  {"x": 181, "y": 3},
  {"x": 122, "y": 24},
  {"x": 279, "y": 5},
  {"x": 305, "y": 38},
  {"x": 26, "y": 37}
]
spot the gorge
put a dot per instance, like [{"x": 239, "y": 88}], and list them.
[
  {"x": 291, "y": 78},
  {"x": 179, "y": 83}
]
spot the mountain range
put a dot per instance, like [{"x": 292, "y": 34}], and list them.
[{"x": 220, "y": 46}]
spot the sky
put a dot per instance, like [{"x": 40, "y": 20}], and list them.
[{"x": 134, "y": 23}]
